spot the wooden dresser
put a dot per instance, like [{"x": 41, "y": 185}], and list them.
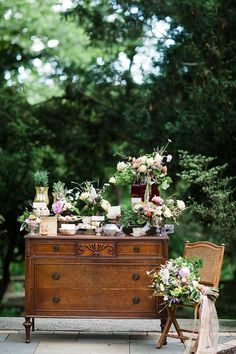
[{"x": 87, "y": 276}]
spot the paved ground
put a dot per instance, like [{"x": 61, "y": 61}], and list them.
[{"x": 59, "y": 336}]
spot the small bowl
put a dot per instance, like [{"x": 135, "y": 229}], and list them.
[
  {"x": 110, "y": 229},
  {"x": 67, "y": 232}
]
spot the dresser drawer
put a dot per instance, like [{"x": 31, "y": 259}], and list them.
[
  {"x": 140, "y": 249},
  {"x": 80, "y": 276},
  {"x": 97, "y": 299},
  {"x": 55, "y": 248}
]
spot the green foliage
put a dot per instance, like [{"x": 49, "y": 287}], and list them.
[
  {"x": 41, "y": 178},
  {"x": 185, "y": 91},
  {"x": 129, "y": 217},
  {"x": 59, "y": 187},
  {"x": 214, "y": 203}
]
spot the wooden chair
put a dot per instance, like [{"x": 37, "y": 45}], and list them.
[{"x": 212, "y": 256}]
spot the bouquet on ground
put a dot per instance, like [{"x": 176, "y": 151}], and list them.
[
  {"x": 150, "y": 168},
  {"x": 177, "y": 281},
  {"x": 158, "y": 210},
  {"x": 89, "y": 200},
  {"x": 28, "y": 221}
]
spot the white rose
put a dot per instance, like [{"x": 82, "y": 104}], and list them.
[
  {"x": 150, "y": 161},
  {"x": 142, "y": 168},
  {"x": 167, "y": 213},
  {"x": 84, "y": 196},
  {"x": 105, "y": 204},
  {"x": 158, "y": 158},
  {"x": 181, "y": 204},
  {"x": 143, "y": 159},
  {"x": 121, "y": 166},
  {"x": 112, "y": 180},
  {"x": 158, "y": 211}
]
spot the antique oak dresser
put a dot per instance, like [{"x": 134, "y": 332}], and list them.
[{"x": 88, "y": 276}]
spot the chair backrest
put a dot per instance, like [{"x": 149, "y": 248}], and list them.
[{"x": 212, "y": 256}]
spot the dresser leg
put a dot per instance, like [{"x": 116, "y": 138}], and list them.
[
  {"x": 163, "y": 322},
  {"x": 32, "y": 324},
  {"x": 27, "y": 325}
]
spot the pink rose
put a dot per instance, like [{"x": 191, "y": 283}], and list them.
[
  {"x": 164, "y": 170},
  {"x": 136, "y": 163},
  {"x": 184, "y": 272},
  {"x": 57, "y": 207},
  {"x": 157, "y": 200}
]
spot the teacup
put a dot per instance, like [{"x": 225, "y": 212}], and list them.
[{"x": 137, "y": 231}]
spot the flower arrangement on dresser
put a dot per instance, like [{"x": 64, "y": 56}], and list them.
[
  {"x": 150, "y": 169},
  {"x": 156, "y": 211},
  {"x": 87, "y": 203},
  {"x": 89, "y": 200},
  {"x": 29, "y": 221}
]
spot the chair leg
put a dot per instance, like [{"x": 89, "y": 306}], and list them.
[
  {"x": 165, "y": 331},
  {"x": 177, "y": 327}
]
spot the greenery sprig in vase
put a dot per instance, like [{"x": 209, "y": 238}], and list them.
[
  {"x": 58, "y": 191},
  {"x": 41, "y": 186}
]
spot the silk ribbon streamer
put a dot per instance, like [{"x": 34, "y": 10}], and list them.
[{"x": 209, "y": 326}]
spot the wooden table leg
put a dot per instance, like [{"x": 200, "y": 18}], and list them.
[{"x": 27, "y": 324}]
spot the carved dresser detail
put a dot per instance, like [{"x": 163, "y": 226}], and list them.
[{"x": 87, "y": 276}]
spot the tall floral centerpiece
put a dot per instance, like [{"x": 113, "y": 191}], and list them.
[{"x": 145, "y": 173}]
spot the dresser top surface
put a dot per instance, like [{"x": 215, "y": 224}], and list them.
[{"x": 122, "y": 237}]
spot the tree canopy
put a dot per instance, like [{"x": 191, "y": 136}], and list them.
[{"x": 81, "y": 82}]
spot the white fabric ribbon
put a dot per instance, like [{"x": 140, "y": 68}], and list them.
[{"x": 209, "y": 327}]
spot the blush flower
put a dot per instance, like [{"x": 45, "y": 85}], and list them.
[
  {"x": 157, "y": 200},
  {"x": 57, "y": 207},
  {"x": 184, "y": 272}
]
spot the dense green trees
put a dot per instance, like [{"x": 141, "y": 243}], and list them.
[{"x": 108, "y": 76}]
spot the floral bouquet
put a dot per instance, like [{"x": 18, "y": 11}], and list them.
[
  {"x": 150, "y": 168},
  {"x": 156, "y": 211},
  {"x": 90, "y": 200},
  {"x": 177, "y": 281},
  {"x": 29, "y": 221}
]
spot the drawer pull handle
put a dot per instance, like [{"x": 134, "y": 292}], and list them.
[
  {"x": 55, "y": 275},
  {"x": 56, "y": 248},
  {"x": 136, "y": 249},
  {"x": 136, "y": 300},
  {"x": 136, "y": 276},
  {"x": 56, "y": 299}
]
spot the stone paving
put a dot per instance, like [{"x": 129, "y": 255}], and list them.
[{"x": 61, "y": 336}]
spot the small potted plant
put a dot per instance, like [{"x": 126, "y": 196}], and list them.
[
  {"x": 131, "y": 219},
  {"x": 59, "y": 191},
  {"x": 41, "y": 186}
]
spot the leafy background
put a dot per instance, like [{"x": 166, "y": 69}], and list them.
[{"x": 81, "y": 80}]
